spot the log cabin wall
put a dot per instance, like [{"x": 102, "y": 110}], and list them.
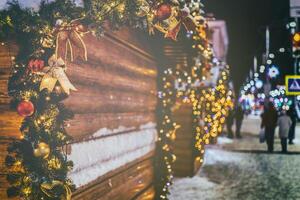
[
  {"x": 9, "y": 120},
  {"x": 114, "y": 127}
]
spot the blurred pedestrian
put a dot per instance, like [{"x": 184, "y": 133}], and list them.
[
  {"x": 284, "y": 124},
  {"x": 239, "y": 116},
  {"x": 293, "y": 115},
  {"x": 269, "y": 122},
  {"x": 229, "y": 124}
]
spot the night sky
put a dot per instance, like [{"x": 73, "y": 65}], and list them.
[{"x": 246, "y": 22}]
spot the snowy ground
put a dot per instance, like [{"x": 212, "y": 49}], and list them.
[{"x": 242, "y": 170}]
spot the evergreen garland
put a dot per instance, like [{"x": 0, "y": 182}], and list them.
[{"x": 37, "y": 165}]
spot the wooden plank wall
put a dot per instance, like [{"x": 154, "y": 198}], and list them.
[
  {"x": 186, "y": 164},
  {"x": 9, "y": 120},
  {"x": 115, "y": 102}
]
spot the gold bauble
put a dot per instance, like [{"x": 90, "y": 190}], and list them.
[{"x": 42, "y": 150}]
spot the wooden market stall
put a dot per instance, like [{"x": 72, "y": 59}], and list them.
[
  {"x": 126, "y": 107},
  {"x": 114, "y": 128}
]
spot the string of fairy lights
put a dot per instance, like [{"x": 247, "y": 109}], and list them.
[
  {"x": 214, "y": 104},
  {"x": 210, "y": 104},
  {"x": 167, "y": 133}
]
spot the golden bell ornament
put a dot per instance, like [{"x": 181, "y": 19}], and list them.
[{"x": 42, "y": 150}]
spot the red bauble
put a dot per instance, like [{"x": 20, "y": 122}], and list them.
[
  {"x": 36, "y": 65},
  {"x": 25, "y": 108},
  {"x": 163, "y": 12}
]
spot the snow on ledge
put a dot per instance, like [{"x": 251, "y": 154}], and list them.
[
  {"x": 95, "y": 158},
  {"x": 106, "y": 131},
  {"x": 89, "y": 174}
]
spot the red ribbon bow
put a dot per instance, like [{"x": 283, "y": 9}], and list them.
[{"x": 69, "y": 42}]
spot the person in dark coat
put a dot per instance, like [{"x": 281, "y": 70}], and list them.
[
  {"x": 293, "y": 115},
  {"x": 239, "y": 116},
  {"x": 269, "y": 122},
  {"x": 229, "y": 123}
]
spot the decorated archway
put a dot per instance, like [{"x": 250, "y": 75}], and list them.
[{"x": 53, "y": 37}]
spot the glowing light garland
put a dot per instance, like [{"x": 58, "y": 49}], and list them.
[{"x": 213, "y": 107}]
